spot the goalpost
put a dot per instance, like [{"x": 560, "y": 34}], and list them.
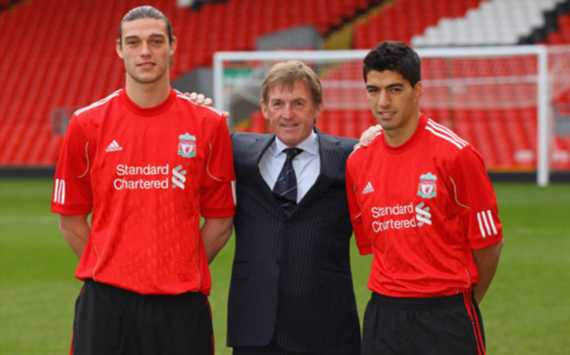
[{"x": 501, "y": 99}]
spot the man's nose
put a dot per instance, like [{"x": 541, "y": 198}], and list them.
[
  {"x": 287, "y": 111},
  {"x": 145, "y": 48},
  {"x": 383, "y": 99}
]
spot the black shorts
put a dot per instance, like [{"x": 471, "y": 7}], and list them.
[
  {"x": 112, "y": 321},
  {"x": 425, "y": 326}
]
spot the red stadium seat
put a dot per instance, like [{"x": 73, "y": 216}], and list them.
[{"x": 51, "y": 64}]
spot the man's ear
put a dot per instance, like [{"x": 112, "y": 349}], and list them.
[
  {"x": 263, "y": 107},
  {"x": 318, "y": 110},
  {"x": 119, "y": 48},
  {"x": 173, "y": 45},
  {"x": 418, "y": 89}
]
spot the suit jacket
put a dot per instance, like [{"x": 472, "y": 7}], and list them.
[{"x": 291, "y": 278}]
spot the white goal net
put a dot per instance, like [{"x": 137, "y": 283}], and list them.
[{"x": 511, "y": 103}]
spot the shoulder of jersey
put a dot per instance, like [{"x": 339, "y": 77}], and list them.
[
  {"x": 186, "y": 99},
  {"x": 97, "y": 104},
  {"x": 445, "y": 136}
]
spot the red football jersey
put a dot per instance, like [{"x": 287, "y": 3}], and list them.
[
  {"x": 421, "y": 209},
  {"x": 146, "y": 175}
]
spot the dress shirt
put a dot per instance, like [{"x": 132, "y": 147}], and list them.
[{"x": 307, "y": 165}]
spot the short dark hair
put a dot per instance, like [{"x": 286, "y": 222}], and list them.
[
  {"x": 146, "y": 11},
  {"x": 394, "y": 56}
]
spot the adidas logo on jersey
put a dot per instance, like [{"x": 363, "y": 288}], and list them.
[
  {"x": 368, "y": 188},
  {"x": 113, "y": 147}
]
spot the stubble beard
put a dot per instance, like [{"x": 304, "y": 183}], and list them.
[{"x": 142, "y": 80}]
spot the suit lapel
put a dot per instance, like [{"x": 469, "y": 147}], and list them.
[{"x": 252, "y": 174}]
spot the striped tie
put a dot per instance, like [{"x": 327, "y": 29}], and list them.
[{"x": 285, "y": 189}]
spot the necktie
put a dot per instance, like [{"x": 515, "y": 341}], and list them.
[{"x": 285, "y": 189}]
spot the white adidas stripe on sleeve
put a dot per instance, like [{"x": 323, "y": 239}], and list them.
[
  {"x": 492, "y": 222},
  {"x": 55, "y": 190},
  {"x": 59, "y": 191},
  {"x": 486, "y": 223},
  {"x": 441, "y": 128},
  {"x": 97, "y": 103},
  {"x": 443, "y": 136}
]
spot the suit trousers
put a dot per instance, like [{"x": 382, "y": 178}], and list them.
[{"x": 274, "y": 349}]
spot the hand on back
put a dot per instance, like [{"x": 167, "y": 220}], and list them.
[
  {"x": 368, "y": 136},
  {"x": 202, "y": 100}
]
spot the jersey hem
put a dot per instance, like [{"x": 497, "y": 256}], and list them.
[
  {"x": 149, "y": 293},
  {"x": 218, "y": 213},
  {"x": 486, "y": 243}
]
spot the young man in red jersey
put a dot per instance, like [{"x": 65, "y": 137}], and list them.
[
  {"x": 146, "y": 163},
  {"x": 421, "y": 202}
]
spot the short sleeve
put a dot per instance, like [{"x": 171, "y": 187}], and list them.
[
  {"x": 475, "y": 198},
  {"x": 217, "y": 191},
  {"x": 362, "y": 241},
  {"x": 72, "y": 193}
]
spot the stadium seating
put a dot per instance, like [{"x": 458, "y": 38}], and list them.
[
  {"x": 61, "y": 55},
  {"x": 562, "y": 36},
  {"x": 4, "y": 4},
  {"x": 407, "y": 18},
  {"x": 495, "y": 22}
]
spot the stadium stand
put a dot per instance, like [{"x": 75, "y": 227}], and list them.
[
  {"x": 563, "y": 35},
  {"x": 4, "y": 4},
  {"x": 61, "y": 55},
  {"x": 394, "y": 23},
  {"x": 495, "y": 22}
]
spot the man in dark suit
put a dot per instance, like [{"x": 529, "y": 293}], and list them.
[{"x": 291, "y": 287}]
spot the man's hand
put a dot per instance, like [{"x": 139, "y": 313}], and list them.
[
  {"x": 199, "y": 99},
  {"x": 202, "y": 100},
  {"x": 368, "y": 136}
]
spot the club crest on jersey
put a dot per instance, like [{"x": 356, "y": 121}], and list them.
[
  {"x": 187, "y": 145},
  {"x": 427, "y": 186}
]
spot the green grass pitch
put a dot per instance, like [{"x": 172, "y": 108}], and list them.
[{"x": 526, "y": 311}]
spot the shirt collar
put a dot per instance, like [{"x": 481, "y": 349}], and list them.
[{"x": 309, "y": 145}]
